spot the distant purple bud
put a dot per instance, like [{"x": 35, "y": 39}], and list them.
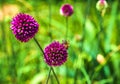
[
  {"x": 66, "y": 10},
  {"x": 55, "y": 54},
  {"x": 24, "y": 27}
]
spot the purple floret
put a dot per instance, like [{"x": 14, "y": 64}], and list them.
[
  {"x": 55, "y": 54},
  {"x": 66, "y": 10},
  {"x": 24, "y": 27}
]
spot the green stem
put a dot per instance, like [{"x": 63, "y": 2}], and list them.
[
  {"x": 50, "y": 13},
  {"x": 86, "y": 75},
  {"x": 66, "y": 28},
  {"x": 39, "y": 45},
  {"x": 100, "y": 34},
  {"x": 48, "y": 75},
  {"x": 55, "y": 75}
]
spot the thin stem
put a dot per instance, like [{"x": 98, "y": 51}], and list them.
[
  {"x": 38, "y": 45},
  {"x": 66, "y": 28},
  {"x": 55, "y": 75},
  {"x": 49, "y": 75},
  {"x": 66, "y": 40},
  {"x": 50, "y": 13},
  {"x": 86, "y": 75},
  {"x": 100, "y": 33},
  {"x": 76, "y": 76}
]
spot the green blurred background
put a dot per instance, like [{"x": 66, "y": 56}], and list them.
[{"x": 94, "y": 52}]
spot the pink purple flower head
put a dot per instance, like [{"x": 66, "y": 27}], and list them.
[
  {"x": 66, "y": 10},
  {"x": 55, "y": 54},
  {"x": 24, "y": 27}
]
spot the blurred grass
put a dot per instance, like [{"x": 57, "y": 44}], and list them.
[{"x": 22, "y": 63}]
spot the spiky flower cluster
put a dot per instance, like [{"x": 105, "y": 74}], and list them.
[
  {"x": 66, "y": 10},
  {"x": 55, "y": 54},
  {"x": 24, "y": 27}
]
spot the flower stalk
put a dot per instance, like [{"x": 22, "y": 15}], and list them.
[
  {"x": 49, "y": 75},
  {"x": 66, "y": 28}
]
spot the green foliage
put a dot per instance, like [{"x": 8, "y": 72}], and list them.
[{"x": 89, "y": 35}]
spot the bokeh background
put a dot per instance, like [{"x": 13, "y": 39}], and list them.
[{"x": 94, "y": 51}]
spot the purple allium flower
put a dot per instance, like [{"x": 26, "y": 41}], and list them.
[
  {"x": 66, "y": 10},
  {"x": 55, "y": 54},
  {"x": 24, "y": 27}
]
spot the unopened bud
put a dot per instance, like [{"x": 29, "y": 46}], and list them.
[
  {"x": 101, "y": 5},
  {"x": 100, "y": 59}
]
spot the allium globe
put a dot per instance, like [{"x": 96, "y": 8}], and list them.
[
  {"x": 66, "y": 10},
  {"x": 24, "y": 27},
  {"x": 55, "y": 54}
]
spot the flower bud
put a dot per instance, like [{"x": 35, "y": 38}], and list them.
[
  {"x": 66, "y": 10},
  {"x": 101, "y": 5},
  {"x": 100, "y": 59}
]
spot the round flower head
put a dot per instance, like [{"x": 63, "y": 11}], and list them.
[
  {"x": 101, "y": 5},
  {"x": 55, "y": 54},
  {"x": 66, "y": 10},
  {"x": 24, "y": 27}
]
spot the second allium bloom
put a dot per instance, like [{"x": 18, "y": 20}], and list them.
[
  {"x": 55, "y": 54},
  {"x": 24, "y": 27},
  {"x": 66, "y": 10}
]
